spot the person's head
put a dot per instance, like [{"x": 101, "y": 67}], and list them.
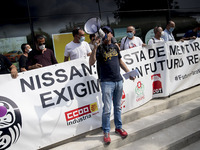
[
  {"x": 26, "y": 48},
  {"x": 79, "y": 35},
  {"x": 158, "y": 31},
  {"x": 107, "y": 29},
  {"x": 92, "y": 37},
  {"x": 108, "y": 34},
  {"x": 130, "y": 32},
  {"x": 170, "y": 26},
  {"x": 197, "y": 28},
  {"x": 40, "y": 42}
]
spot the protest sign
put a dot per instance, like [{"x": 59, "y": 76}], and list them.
[{"x": 57, "y": 102}]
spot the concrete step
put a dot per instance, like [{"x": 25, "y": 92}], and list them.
[
  {"x": 150, "y": 118},
  {"x": 193, "y": 146},
  {"x": 173, "y": 138},
  {"x": 153, "y": 106},
  {"x": 159, "y": 104}
]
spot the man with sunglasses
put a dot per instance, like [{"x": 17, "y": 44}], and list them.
[
  {"x": 77, "y": 48},
  {"x": 41, "y": 56}
]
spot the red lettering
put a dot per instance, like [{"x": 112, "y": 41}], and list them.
[
  {"x": 80, "y": 111},
  {"x": 69, "y": 115},
  {"x": 77, "y": 112},
  {"x": 139, "y": 99}
]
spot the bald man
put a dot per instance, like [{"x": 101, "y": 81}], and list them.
[
  {"x": 130, "y": 40},
  {"x": 158, "y": 31}
]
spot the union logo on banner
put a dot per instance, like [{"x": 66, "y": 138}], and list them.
[
  {"x": 139, "y": 91},
  {"x": 93, "y": 107},
  {"x": 10, "y": 123},
  {"x": 157, "y": 84},
  {"x": 80, "y": 114}
]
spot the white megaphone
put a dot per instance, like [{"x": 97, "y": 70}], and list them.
[{"x": 92, "y": 26}]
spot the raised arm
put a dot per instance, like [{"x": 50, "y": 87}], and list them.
[{"x": 92, "y": 58}]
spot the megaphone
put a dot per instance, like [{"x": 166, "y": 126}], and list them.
[{"x": 93, "y": 26}]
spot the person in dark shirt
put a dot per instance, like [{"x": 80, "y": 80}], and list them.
[
  {"x": 192, "y": 34},
  {"x": 26, "y": 48},
  {"x": 109, "y": 60},
  {"x": 41, "y": 56},
  {"x": 6, "y": 65}
]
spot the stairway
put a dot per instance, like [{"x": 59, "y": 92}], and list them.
[{"x": 171, "y": 123}]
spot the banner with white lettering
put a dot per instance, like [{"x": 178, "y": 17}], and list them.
[
  {"x": 183, "y": 65},
  {"x": 166, "y": 68},
  {"x": 54, "y": 103}
]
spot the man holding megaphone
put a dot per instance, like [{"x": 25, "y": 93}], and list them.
[{"x": 109, "y": 61}]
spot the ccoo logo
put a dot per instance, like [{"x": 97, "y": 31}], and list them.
[{"x": 10, "y": 123}]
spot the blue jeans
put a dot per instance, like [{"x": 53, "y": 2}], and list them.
[{"x": 111, "y": 91}]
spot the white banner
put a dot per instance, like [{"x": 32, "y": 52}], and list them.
[
  {"x": 48, "y": 105},
  {"x": 53, "y": 103}
]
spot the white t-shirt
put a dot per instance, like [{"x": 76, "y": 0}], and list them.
[
  {"x": 136, "y": 41},
  {"x": 154, "y": 40},
  {"x": 77, "y": 50}
]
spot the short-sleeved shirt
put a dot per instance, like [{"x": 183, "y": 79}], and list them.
[
  {"x": 23, "y": 62},
  {"x": 45, "y": 59},
  {"x": 77, "y": 50},
  {"x": 4, "y": 64},
  {"x": 153, "y": 40},
  {"x": 168, "y": 36},
  {"x": 126, "y": 43},
  {"x": 108, "y": 57}
]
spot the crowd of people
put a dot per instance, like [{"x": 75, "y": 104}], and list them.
[
  {"x": 103, "y": 50},
  {"x": 79, "y": 48},
  {"x": 30, "y": 59}
]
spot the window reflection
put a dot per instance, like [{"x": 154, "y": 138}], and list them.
[{"x": 29, "y": 17}]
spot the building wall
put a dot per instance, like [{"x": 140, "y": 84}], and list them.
[{"x": 26, "y": 18}]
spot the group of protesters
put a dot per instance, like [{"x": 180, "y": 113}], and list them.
[
  {"x": 103, "y": 50},
  {"x": 78, "y": 48}
]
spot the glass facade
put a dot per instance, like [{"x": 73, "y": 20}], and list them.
[{"x": 26, "y": 18}]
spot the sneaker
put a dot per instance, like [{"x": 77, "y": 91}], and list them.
[
  {"x": 121, "y": 132},
  {"x": 107, "y": 139}
]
